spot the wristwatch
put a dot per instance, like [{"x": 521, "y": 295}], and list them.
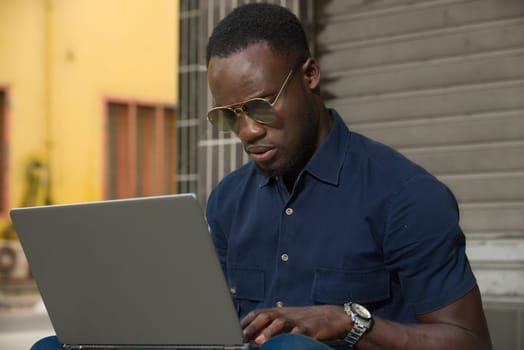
[{"x": 362, "y": 321}]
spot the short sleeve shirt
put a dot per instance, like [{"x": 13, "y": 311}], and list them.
[{"x": 362, "y": 224}]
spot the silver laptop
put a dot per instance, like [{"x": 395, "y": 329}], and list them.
[{"x": 136, "y": 273}]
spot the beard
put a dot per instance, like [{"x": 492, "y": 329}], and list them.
[{"x": 298, "y": 160}]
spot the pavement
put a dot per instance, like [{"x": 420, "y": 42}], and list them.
[{"x": 21, "y": 328}]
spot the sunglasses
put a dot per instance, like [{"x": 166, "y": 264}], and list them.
[{"x": 225, "y": 118}]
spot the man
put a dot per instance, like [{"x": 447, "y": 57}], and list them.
[{"x": 325, "y": 232}]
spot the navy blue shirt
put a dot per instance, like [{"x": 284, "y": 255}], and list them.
[{"x": 362, "y": 224}]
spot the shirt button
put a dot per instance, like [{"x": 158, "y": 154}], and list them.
[
  {"x": 284, "y": 257},
  {"x": 233, "y": 290},
  {"x": 289, "y": 211},
  {"x": 279, "y": 304}
]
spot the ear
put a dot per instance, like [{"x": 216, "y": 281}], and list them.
[{"x": 311, "y": 71}]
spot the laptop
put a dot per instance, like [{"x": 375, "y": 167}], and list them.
[{"x": 137, "y": 273}]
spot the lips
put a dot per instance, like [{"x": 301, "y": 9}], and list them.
[{"x": 260, "y": 153}]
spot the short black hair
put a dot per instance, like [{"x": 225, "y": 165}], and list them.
[{"x": 257, "y": 22}]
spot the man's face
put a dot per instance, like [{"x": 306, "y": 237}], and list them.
[{"x": 283, "y": 147}]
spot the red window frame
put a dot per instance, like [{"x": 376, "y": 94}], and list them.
[{"x": 140, "y": 148}]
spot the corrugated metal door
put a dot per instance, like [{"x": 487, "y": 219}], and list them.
[{"x": 443, "y": 82}]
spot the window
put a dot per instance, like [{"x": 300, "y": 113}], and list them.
[
  {"x": 192, "y": 97},
  {"x": 141, "y": 149}
]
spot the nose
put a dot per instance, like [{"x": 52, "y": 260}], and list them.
[{"x": 247, "y": 129}]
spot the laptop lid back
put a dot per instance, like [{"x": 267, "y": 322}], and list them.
[{"x": 139, "y": 271}]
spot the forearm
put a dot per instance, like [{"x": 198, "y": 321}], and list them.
[
  {"x": 460, "y": 325},
  {"x": 392, "y": 336}
]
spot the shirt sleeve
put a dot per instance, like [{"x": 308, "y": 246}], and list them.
[{"x": 425, "y": 246}]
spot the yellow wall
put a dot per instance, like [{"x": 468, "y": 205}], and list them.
[
  {"x": 22, "y": 71},
  {"x": 60, "y": 59}
]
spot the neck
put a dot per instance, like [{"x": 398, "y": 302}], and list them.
[{"x": 325, "y": 124}]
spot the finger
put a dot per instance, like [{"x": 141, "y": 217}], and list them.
[
  {"x": 248, "y": 318},
  {"x": 261, "y": 321},
  {"x": 278, "y": 326},
  {"x": 300, "y": 330}
]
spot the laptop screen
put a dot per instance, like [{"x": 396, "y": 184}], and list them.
[{"x": 134, "y": 271}]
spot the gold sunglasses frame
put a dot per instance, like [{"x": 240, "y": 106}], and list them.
[{"x": 237, "y": 108}]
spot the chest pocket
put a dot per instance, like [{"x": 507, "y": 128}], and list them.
[
  {"x": 247, "y": 288},
  {"x": 337, "y": 286}
]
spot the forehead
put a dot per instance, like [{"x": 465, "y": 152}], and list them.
[{"x": 253, "y": 72}]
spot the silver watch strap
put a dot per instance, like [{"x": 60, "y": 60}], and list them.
[
  {"x": 354, "y": 335},
  {"x": 358, "y": 328}
]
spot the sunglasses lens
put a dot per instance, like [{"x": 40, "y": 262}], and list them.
[
  {"x": 259, "y": 110},
  {"x": 223, "y": 119}
]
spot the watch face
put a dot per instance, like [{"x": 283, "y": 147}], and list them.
[{"x": 361, "y": 311}]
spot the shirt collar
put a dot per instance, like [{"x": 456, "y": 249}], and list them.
[
  {"x": 326, "y": 164},
  {"x": 328, "y": 160},
  {"x": 265, "y": 180}
]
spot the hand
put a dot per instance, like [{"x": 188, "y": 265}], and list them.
[{"x": 323, "y": 322}]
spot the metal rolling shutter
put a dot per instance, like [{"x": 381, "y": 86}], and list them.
[{"x": 443, "y": 82}]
